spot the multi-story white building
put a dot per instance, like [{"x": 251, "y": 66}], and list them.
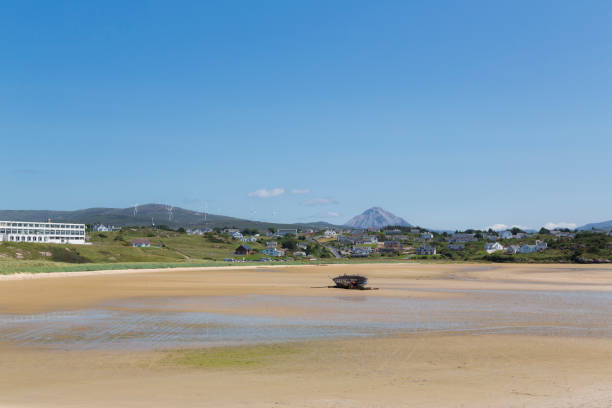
[{"x": 43, "y": 232}]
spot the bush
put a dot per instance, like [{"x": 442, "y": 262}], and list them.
[{"x": 67, "y": 255}]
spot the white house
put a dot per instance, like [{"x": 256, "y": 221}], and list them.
[
  {"x": 505, "y": 234},
  {"x": 271, "y": 244},
  {"x": 513, "y": 249},
  {"x": 330, "y": 234},
  {"x": 141, "y": 243},
  {"x": 427, "y": 235},
  {"x": 273, "y": 252},
  {"x": 236, "y": 235},
  {"x": 541, "y": 245},
  {"x": 456, "y": 247},
  {"x": 43, "y": 232},
  {"x": 493, "y": 247},
  {"x": 248, "y": 239},
  {"x": 103, "y": 228},
  {"x": 198, "y": 231},
  {"x": 361, "y": 251},
  {"x": 299, "y": 253}
]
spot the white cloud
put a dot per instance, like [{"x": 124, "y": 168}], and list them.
[
  {"x": 298, "y": 191},
  {"x": 319, "y": 201},
  {"x": 333, "y": 214},
  {"x": 267, "y": 193},
  {"x": 557, "y": 225},
  {"x": 503, "y": 227}
]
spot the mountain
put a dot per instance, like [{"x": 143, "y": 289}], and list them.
[
  {"x": 144, "y": 216},
  {"x": 376, "y": 217},
  {"x": 604, "y": 226}
]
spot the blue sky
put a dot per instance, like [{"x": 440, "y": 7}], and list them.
[{"x": 449, "y": 114}]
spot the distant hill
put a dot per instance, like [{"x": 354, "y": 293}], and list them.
[
  {"x": 144, "y": 216},
  {"x": 604, "y": 226},
  {"x": 376, "y": 217}
]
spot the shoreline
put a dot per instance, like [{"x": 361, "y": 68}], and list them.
[{"x": 62, "y": 274}]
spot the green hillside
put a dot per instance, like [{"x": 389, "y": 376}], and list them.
[
  {"x": 168, "y": 248},
  {"x": 144, "y": 216}
]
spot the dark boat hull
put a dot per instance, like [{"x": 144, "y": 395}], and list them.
[{"x": 350, "y": 281}]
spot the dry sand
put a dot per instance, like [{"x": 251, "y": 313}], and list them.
[{"x": 449, "y": 368}]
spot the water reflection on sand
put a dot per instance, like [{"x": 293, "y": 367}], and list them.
[{"x": 169, "y": 322}]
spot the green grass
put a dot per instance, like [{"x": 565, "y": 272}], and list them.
[
  {"x": 170, "y": 249},
  {"x": 231, "y": 357}
]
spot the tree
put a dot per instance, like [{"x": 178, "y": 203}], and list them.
[
  {"x": 544, "y": 231},
  {"x": 181, "y": 230},
  {"x": 516, "y": 230},
  {"x": 289, "y": 242}
]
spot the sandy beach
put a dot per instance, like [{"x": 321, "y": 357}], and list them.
[{"x": 431, "y": 336}]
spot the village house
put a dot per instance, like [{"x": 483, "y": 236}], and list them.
[
  {"x": 141, "y": 243},
  {"x": 248, "y": 239},
  {"x": 230, "y": 230},
  {"x": 427, "y": 235},
  {"x": 286, "y": 231},
  {"x": 563, "y": 234},
  {"x": 330, "y": 234},
  {"x": 366, "y": 239},
  {"x": 456, "y": 247},
  {"x": 271, "y": 244},
  {"x": 361, "y": 251},
  {"x": 104, "y": 228},
  {"x": 462, "y": 237},
  {"x": 345, "y": 239},
  {"x": 236, "y": 235},
  {"x": 398, "y": 238},
  {"x": 244, "y": 250},
  {"x": 273, "y": 252},
  {"x": 395, "y": 245},
  {"x": 302, "y": 246},
  {"x": 299, "y": 253},
  {"x": 198, "y": 231},
  {"x": 493, "y": 247},
  {"x": 490, "y": 237},
  {"x": 426, "y": 250},
  {"x": 513, "y": 249},
  {"x": 528, "y": 249},
  {"x": 393, "y": 232},
  {"x": 505, "y": 234}
]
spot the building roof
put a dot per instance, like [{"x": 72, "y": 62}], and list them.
[{"x": 141, "y": 241}]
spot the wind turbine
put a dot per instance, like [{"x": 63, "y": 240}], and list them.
[
  {"x": 135, "y": 209},
  {"x": 170, "y": 210}
]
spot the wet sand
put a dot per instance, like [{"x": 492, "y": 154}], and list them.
[{"x": 433, "y": 335}]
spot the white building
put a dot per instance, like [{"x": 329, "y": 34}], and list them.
[
  {"x": 427, "y": 235},
  {"x": 43, "y": 232},
  {"x": 505, "y": 234},
  {"x": 493, "y": 247},
  {"x": 273, "y": 252},
  {"x": 330, "y": 234}
]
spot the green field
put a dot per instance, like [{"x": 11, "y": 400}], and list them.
[{"x": 171, "y": 249}]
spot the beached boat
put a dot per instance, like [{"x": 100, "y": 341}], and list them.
[{"x": 350, "y": 281}]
